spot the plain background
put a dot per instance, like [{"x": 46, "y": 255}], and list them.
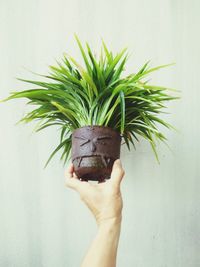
[{"x": 41, "y": 222}]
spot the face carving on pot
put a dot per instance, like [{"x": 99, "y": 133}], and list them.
[
  {"x": 95, "y": 146},
  {"x": 94, "y": 150},
  {"x": 93, "y": 142}
]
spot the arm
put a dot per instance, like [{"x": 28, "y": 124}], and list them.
[
  {"x": 105, "y": 202},
  {"x": 103, "y": 250}
]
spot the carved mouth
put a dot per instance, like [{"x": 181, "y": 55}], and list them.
[{"x": 105, "y": 160}]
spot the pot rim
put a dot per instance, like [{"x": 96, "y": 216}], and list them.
[{"x": 98, "y": 126}]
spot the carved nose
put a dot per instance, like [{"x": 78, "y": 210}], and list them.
[{"x": 92, "y": 147}]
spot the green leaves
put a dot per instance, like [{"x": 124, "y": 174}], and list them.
[
  {"x": 72, "y": 96},
  {"x": 66, "y": 144},
  {"x": 112, "y": 65},
  {"x": 123, "y": 111}
]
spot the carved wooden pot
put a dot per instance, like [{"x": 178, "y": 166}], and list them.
[{"x": 94, "y": 150}]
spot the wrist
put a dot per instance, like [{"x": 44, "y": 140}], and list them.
[
  {"x": 110, "y": 230},
  {"x": 110, "y": 222}
]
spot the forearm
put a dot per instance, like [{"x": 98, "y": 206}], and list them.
[{"x": 103, "y": 250}]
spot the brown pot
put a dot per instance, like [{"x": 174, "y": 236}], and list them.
[{"x": 94, "y": 150}]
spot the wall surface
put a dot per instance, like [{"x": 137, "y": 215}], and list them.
[{"x": 43, "y": 224}]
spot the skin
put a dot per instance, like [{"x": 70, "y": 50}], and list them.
[{"x": 105, "y": 202}]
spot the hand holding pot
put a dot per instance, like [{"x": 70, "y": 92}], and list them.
[{"x": 103, "y": 199}]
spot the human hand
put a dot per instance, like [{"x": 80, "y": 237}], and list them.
[{"x": 103, "y": 199}]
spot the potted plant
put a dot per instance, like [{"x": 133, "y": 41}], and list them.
[{"x": 96, "y": 108}]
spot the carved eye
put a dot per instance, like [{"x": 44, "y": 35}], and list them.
[
  {"x": 96, "y": 140},
  {"x": 101, "y": 139},
  {"x": 84, "y": 140},
  {"x": 100, "y": 142}
]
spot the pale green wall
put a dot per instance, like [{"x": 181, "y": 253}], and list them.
[{"x": 41, "y": 222}]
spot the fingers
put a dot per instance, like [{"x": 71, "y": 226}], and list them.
[
  {"x": 73, "y": 182},
  {"x": 117, "y": 172},
  {"x": 71, "y": 179}
]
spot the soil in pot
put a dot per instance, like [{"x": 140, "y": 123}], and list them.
[{"x": 94, "y": 150}]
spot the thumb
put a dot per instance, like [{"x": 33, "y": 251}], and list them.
[
  {"x": 71, "y": 179},
  {"x": 117, "y": 172}
]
